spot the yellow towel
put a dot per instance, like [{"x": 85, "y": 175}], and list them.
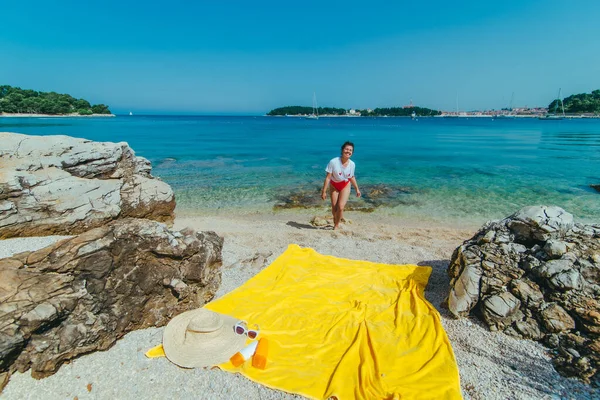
[{"x": 345, "y": 328}]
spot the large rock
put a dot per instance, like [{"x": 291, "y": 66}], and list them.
[
  {"x": 63, "y": 185},
  {"x": 535, "y": 274},
  {"x": 84, "y": 293},
  {"x": 540, "y": 223}
]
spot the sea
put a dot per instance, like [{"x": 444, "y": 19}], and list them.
[{"x": 446, "y": 170}]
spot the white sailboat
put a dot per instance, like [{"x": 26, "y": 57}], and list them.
[
  {"x": 510, "y": 109},
  {"x": 130, "y": 113},
  {"x": 555, "y": 116},
  {"x": 315, "y": 111},
  {"x": 457, "y": 113}
]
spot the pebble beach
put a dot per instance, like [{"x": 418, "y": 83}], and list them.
[{"x": 492, "y": 365}]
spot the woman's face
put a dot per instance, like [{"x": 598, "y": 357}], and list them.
[{"x": 347, "y": 152}]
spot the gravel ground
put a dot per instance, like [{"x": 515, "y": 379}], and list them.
[{"x": 492, "y": 365}]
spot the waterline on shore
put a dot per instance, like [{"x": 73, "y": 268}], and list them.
[
  {"x": 443, "y": 206},
  {"x": 74, "y": 115}
]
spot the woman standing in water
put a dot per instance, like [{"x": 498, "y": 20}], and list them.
[{"x": 340, "y": 172}]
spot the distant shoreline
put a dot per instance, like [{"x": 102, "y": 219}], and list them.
[
  {"x": 320, "y": 116},
  {"x": 461, "y": 116},
  {"x": 20, "y": 115}
]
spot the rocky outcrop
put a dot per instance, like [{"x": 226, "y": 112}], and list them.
[
  {"x": 62, "y": 185},
  {"x": 536, "y": 275},
  {"x": 84, "y": 293}
]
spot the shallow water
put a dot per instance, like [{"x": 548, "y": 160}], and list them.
[{"x": 449, "y": 169}]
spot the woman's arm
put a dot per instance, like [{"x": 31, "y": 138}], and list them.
[
  {"x": 325, "y": 184},
  {"x": 353, "y": 180}
]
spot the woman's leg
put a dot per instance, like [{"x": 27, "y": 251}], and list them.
[
  {"x": 342, "y": 199},
  {"x": 334, "y": 199}
]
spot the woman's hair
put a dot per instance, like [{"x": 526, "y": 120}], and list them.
[{"x": 348, "y": 144}]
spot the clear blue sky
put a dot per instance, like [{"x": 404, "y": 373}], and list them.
[{"x": 247, "y": 57}]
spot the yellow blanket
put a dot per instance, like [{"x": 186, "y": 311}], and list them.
[{"x": 345, "y": 328}]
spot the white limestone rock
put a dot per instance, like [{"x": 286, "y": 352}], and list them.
[{"x": 64, "y": 185}]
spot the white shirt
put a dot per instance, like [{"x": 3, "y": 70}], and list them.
[{"x": 339, "y": 173}]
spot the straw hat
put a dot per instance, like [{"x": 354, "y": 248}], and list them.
[{"x": 201, "y": 338}]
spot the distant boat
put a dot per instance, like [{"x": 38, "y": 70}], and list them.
[
  {"x": 510, "y": 109},
  {"x": 551, "y": 117},
  {"x": 413, "y": 115},
  {"x": 130, "y": 113},
  {"x": 315, "y": 111},
  {"x": 554, "y": 116},
  {"x": 453, "y": 115}
]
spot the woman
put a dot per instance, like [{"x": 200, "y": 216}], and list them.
[{"x": 340, "y": 172}]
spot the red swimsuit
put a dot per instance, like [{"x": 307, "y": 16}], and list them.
[{"x": 339, "y": 186}]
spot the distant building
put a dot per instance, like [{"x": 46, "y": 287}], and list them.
[{"x": 513, "y": 112}]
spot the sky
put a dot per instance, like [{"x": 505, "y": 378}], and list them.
[{"x": 241, "y": 57}]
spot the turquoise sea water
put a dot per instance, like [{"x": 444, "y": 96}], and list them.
[{"x": 442, "y": 169}]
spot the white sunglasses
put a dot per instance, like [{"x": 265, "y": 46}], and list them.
[{"x": 241, "y": 328}]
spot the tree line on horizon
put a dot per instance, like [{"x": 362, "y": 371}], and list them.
[
  {"x": 300, "y": 110},
  {"x": 26, "y": 101},
  {"x": 578, "y": 103},
  {"x": 378, "y": 112}
]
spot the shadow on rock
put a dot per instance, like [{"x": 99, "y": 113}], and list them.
[{"x": 438, "y": 286}]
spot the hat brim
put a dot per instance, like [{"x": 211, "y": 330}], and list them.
[{"x": 207, "y": 350}]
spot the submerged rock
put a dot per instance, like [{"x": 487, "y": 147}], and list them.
[
  {"x": 535, "y": 274},
  {"x": 386, "y": 196},
  {"x": 373, "y": 197},
  {"x": 302, "y": 198}
]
